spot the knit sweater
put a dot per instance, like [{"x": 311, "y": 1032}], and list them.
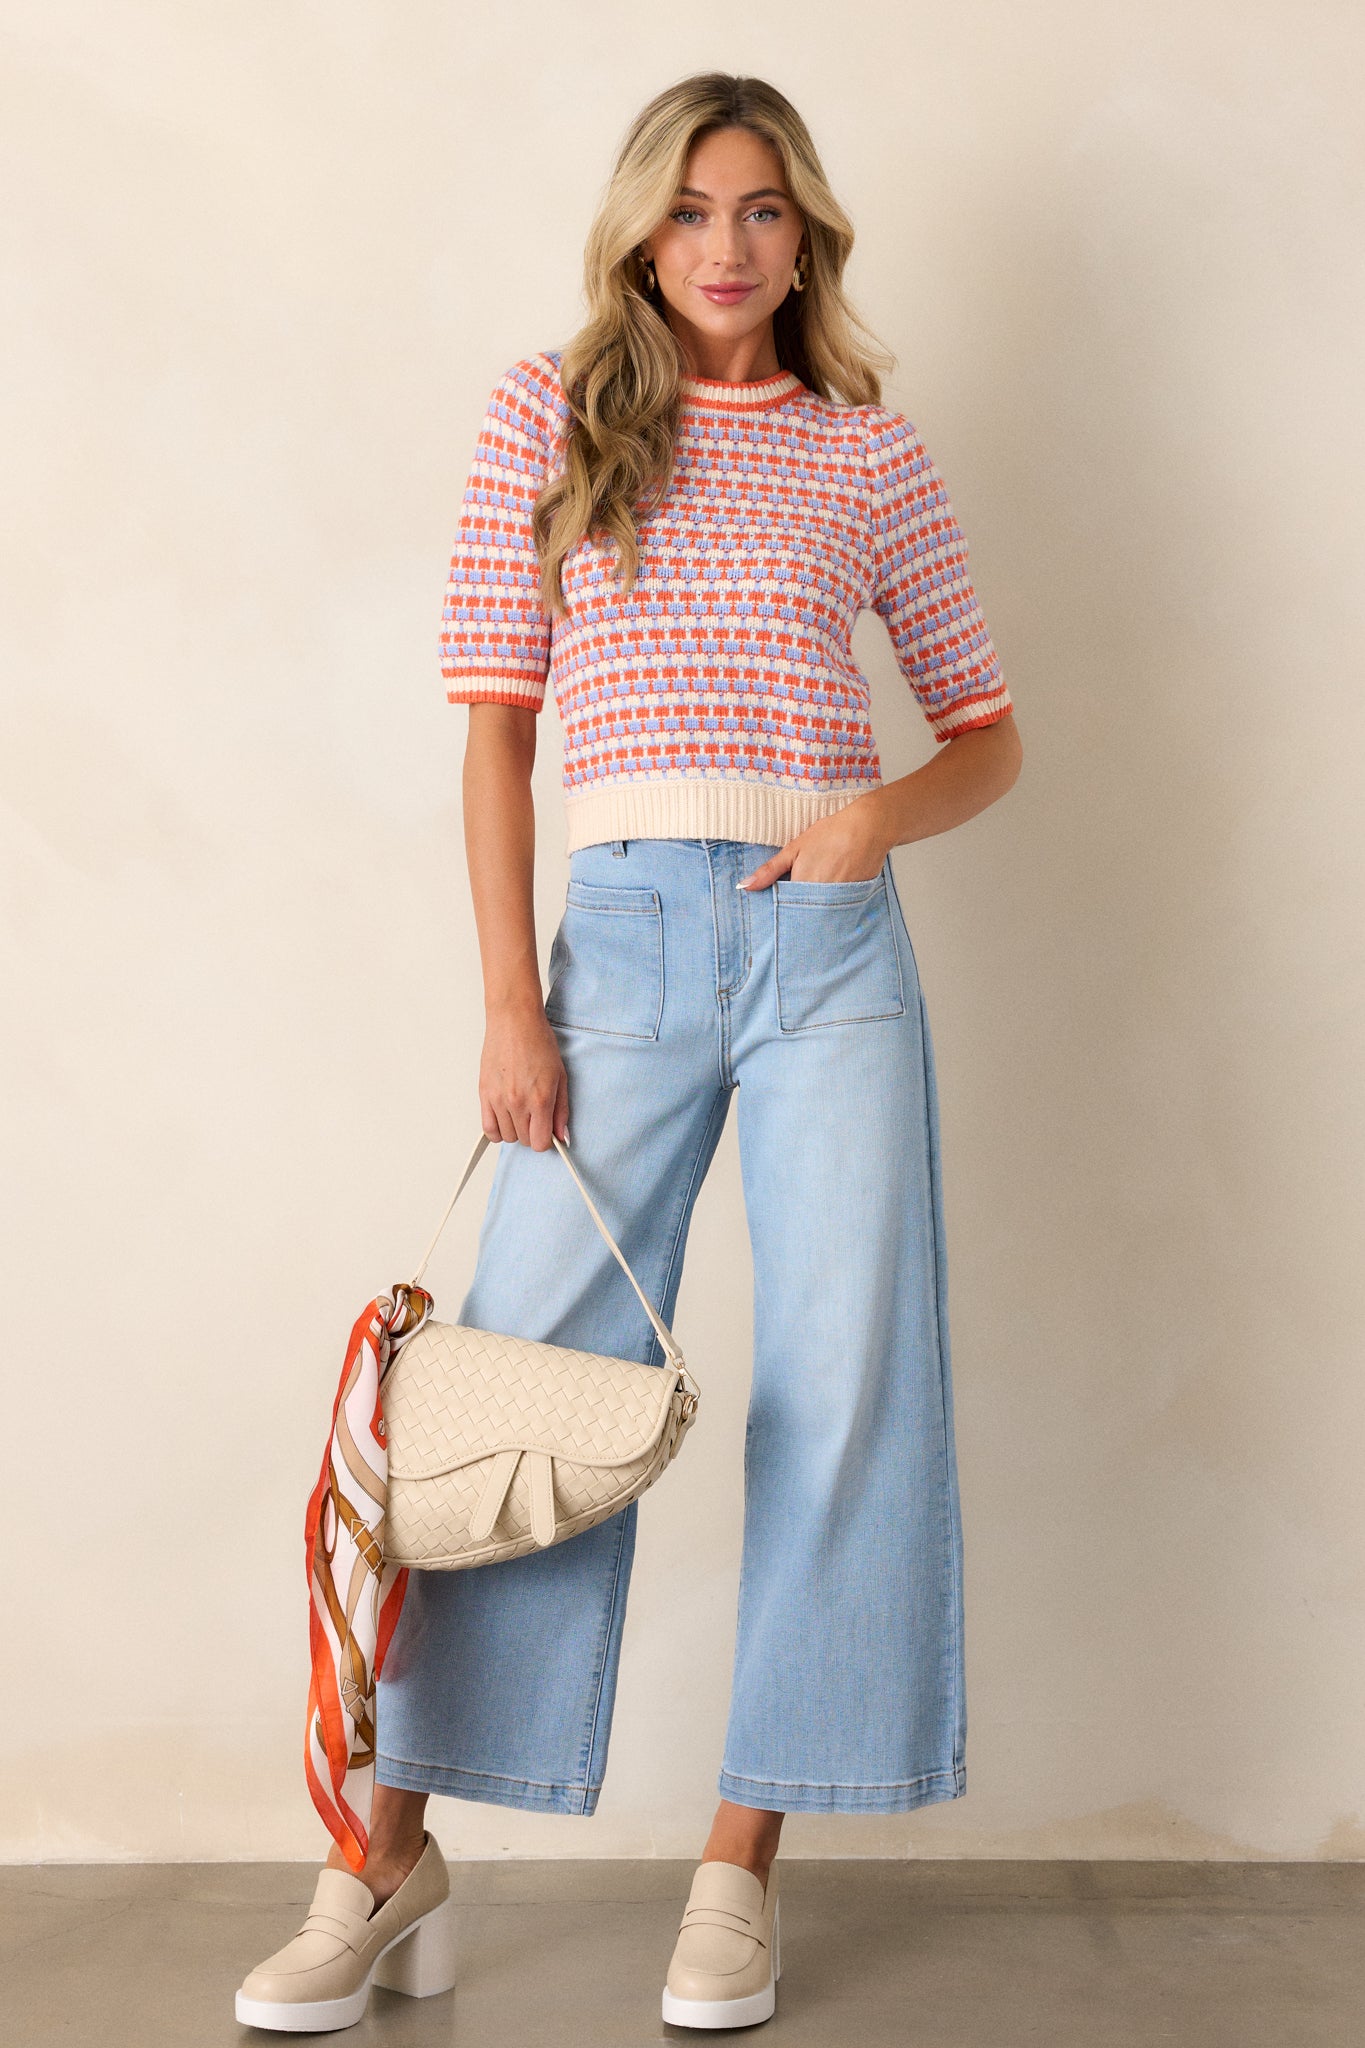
[{"x": 720, "y": 699}]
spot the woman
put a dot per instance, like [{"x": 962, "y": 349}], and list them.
[{"x": 683, "y": 512}]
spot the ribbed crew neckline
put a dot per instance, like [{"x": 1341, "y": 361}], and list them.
[{"x": 748, "y": 395}]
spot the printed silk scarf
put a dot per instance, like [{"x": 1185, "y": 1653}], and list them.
[{"x": 354, "y": 1597}]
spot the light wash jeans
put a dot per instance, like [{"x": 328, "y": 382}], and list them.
[{"x": 670, "y": 989}]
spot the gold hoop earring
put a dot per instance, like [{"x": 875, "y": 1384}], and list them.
[{"x": 801, "y": 274}]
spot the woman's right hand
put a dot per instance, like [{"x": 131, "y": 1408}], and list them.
[{"x": 523, "y": 1088}]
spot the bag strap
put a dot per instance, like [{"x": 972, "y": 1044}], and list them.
[{"x": 675, "y": 1356}]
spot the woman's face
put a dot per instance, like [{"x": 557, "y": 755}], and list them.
[{"x": 732, "y": 223}]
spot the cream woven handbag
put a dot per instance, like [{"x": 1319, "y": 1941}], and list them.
[{"x": 500, "y": 1445}]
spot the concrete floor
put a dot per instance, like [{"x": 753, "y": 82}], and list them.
[{"x": 935, "y": 1954}]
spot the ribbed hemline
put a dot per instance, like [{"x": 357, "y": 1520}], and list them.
[
  {"x": 974, "y": 712},
  {"x": 763, "y": 813}
]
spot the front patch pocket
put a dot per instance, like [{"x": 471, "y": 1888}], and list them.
[
  {"x": 836, "y": 956},
  {"x": 607, "y": 961}
]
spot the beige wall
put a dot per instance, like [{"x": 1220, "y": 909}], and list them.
[{"x": 266, "y": 262}]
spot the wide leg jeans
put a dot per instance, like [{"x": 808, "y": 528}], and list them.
[{"x": 671, "y": 990}]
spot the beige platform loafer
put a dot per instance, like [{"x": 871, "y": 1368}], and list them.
[
  {"x": 321, "y": 1979},
  {"x": 728, "y": 1960}
]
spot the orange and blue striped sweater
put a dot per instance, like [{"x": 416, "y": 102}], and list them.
[{"x": 720, "y": 699}]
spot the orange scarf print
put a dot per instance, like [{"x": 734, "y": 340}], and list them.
[{"x": 355, "y": 1597}]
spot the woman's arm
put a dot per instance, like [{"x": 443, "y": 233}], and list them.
[
  {"x": 523, "y": 1088},
  {"x": 964, "y": 776}
]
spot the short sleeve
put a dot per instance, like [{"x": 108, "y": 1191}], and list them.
[
  {"x": 921, "y": 587},
  {"x": 495, "y": 631}
]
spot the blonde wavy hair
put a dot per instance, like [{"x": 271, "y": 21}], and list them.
[{"x": 622, "y": 372}]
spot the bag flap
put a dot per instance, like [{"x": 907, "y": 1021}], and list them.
[{"x": 455, "y": 1395}]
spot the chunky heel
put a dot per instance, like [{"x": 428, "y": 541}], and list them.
[
  {"x": 424, "y": 1962},
  {"x": 320, "y": 1981}
]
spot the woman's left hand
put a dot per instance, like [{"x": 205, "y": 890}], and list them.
[{"x": 848, "y": 846}]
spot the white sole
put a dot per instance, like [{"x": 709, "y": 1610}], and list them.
[
  {"x": 419, "y": 1962},
  {"x": 730, "y": 2012}
]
